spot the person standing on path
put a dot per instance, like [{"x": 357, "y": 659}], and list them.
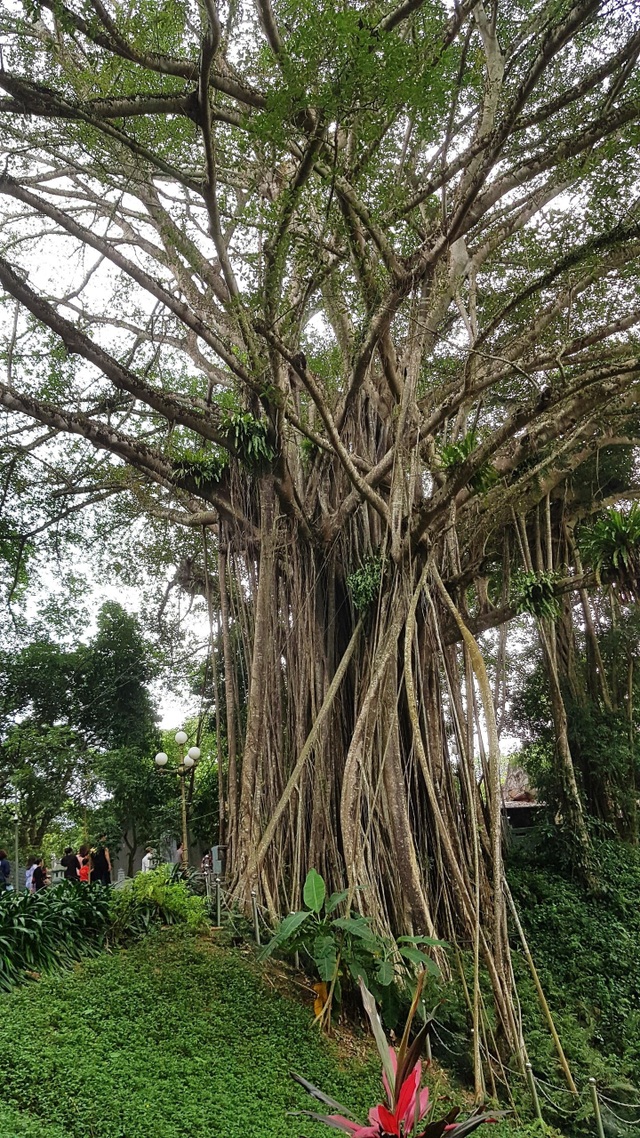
[
  {"x": 84, "y": 867},
  {"x": 71, "y": 865},
  {"x": 28, "y": 878},
  {"x": 5, "y": 871},
  {"x": 101, "y": 862},
  {"x": 39, "y": 875},
  {"x": 149, "y": 859}
]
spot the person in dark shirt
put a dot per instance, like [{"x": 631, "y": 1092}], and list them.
[
  {"x": 101, "y": 862},
  {"x": 71, "y": 865},
  {"x": 5, "y": 871},
  {"x": 39, "y": 875}
]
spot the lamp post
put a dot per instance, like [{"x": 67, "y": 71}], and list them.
[
  {"x": 184, "y": 767},
  {"x": 16, "y": 836}
]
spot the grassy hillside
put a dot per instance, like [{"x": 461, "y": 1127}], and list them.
[{"x": 169, "y": 1039}]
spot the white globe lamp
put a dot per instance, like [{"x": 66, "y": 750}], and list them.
[
  {"x": 194, "y": 753},
  {"x": 161, "y": 759},
  {"x": 181, "y": 738}
]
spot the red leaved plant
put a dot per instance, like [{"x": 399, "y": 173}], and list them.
[{"x": 402, "y": 1116}]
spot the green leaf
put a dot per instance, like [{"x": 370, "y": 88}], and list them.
[
  {"x": 284, "y": 931},
  {"x": 325, "y": 954},
  {"x": 335, "y": 900},
  {"x": 357, "y": 972},
  {"x": 417, "y": 957},
  {"x": 385, "y": 973},
  {"x": 357, "y": 926},
  {"x": 378, "y": 1032},
  {"x": 320, "y": 1095},
  {"x": 314, "y": 891}
]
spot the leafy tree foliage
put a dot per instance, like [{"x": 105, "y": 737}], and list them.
[
  {"x": 112, "y": 674},
  {"x": 585, "y": 946},
  {"x": 79, "y": 723}
]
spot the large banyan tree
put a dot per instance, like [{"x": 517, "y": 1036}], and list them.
[{"x": 350, "y": 290}]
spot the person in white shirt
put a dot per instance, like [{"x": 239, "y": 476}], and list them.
[
  {"x": 28, "y": 881},
  {"x": 149, "y": 859}
]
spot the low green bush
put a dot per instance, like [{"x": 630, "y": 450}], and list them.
[
  {"x": 586, "y": 946},
  {"x": 151, "y": 900},
  {"x": 409, "y": 1108},
  {"x": 167, "y": 1038},
  {"x": 15, "y": 1124},
  {"x": 175, "y": 1037},
  {"x": 342, "y": 949},
  {"x": 48, "y": 930}
]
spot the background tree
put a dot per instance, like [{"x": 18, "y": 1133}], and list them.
[{"x": 78, "y": 724}]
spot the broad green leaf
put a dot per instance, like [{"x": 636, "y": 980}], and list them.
[
  {"x": 325, "y": 956},
  {"x": 357, "y": 926},
  {"x": 385, "y": 973},
  {"x": 417, "y": 957},
  {"x": 284, "y": 931},
  {"x": 314, "y": 891},
  {"x": 336, "y": 899},
  {"x": 357, "y": 972}
]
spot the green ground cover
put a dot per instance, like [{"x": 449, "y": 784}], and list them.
[
  {"x": 15, "y": 1124},
  {"x": 586, "y": 945},
  {"x": 171, "y": 1038}
]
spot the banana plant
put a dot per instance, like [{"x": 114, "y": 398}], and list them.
[{"x": 345, "y": 949}]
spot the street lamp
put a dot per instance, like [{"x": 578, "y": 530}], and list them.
[
  {"x": 182, "y": 770},
  {"x": 16, "y": 836}
]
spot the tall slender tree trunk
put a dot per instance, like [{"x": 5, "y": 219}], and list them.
[
  {"x": 248, "y": 819},
  {"x": 572, "y": 802},
  {"x": 230, "y": 705}
]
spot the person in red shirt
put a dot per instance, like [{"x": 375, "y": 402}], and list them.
[{"x": 84, "y": 862}]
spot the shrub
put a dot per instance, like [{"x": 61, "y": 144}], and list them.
[
  {"x": 41, "y": 932},
  {"x": 52, "y": 928},
  {"x": 170, "y": 1038},
  {"x": 407, "y": 1110},
  {"x": 586, "y": 947},
  {"x": 152, "y": 900}
]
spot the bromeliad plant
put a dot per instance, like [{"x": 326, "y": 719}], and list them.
[
  {"x": 611, "y": 547},
  {"x": 405, "y": 1113}
]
